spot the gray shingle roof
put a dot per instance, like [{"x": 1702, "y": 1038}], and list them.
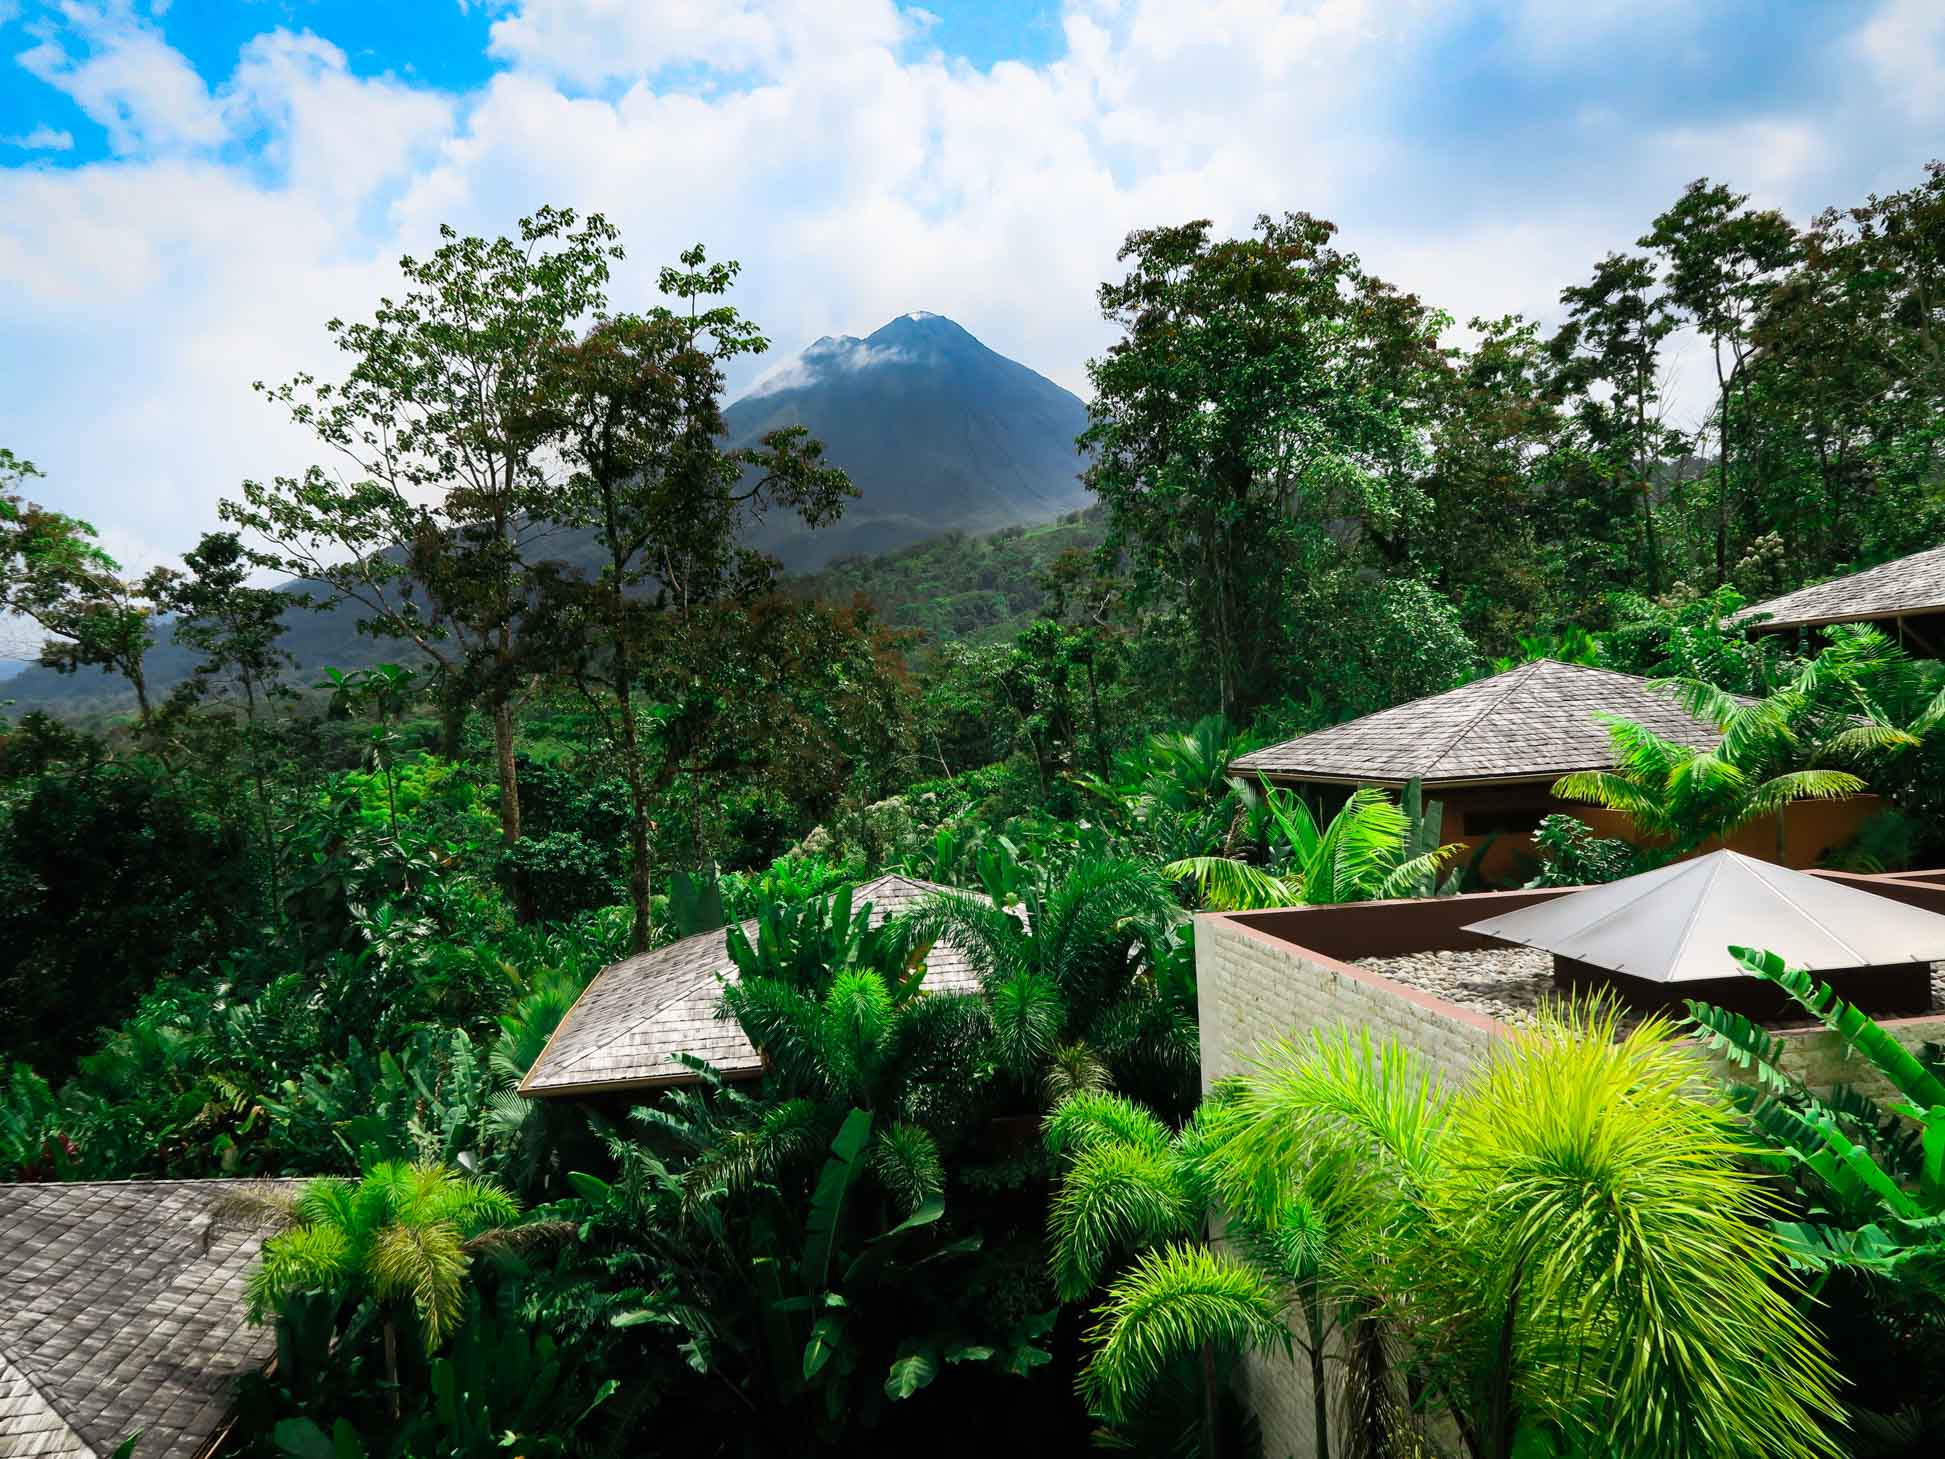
[
  {"x": 1533, "y": 722},
  {"x": 1914, "y": 584},
  {"x": 627, "y": 1026},
  {"x": 122, "y": 1309}
]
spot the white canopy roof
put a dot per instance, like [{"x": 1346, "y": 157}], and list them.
[{"x": 1674, "y": 924}]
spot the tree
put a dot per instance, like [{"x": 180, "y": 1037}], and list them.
[
  {"x": 1567, "y": 1248},
  {"x": 1608, "y": 356},
  {"x": 1088, "y": 961},
  {"x": 1372, "y": 847},
  {"x": 401, "y": 1237},
  {"x": 1843, "y": 706},
  {"x": 636, "y": 406},
  {"x": 235, "y": 629},
  {"x": 442, "y": 417},
  {"x": 52, "y": 572},
  {"x": 1250, "y": 404},
  {"x": 1722, "y": 262}
]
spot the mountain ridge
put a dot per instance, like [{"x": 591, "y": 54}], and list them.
[{"x": 939, "y": 433}]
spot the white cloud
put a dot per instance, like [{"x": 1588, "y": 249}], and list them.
[
  {"x": 1904, "y": 44},
  {"x": 856, "y": 171},
  {"x": 120, "y": 71},
  {"x": 42, "y": 139}
]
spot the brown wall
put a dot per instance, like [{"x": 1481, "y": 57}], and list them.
[{"x": 1812, "y": 829}]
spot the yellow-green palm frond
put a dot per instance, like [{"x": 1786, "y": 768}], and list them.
[
  {"x": 1114, "y": 1198},
  {"x": 1097, "y": 1117},
  {"x": 1171, "y": 1303},
  {"x": 1870, "y": 738},
  {"x": 1334, "y": 1097},
  {"x": 1773, "y": 794},
  {"x": 1225, "y": 884},
  {"x": 1646, "y": 805},
  {"x": 302, "y": 1259},
  {"x": 1639, "y": 752},
  {"x": 427, "y": 1262},
  {"x": 1404, "y": 879},
  {"x": 1603, "y": 1179}
]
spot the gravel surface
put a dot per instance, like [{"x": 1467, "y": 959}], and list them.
[{"x": 1506, "y": 983}]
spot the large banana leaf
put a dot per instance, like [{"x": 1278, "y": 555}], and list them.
[{"x": 823, "y": 1227}]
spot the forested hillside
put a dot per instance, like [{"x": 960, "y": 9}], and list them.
[
  {"x": 243, "y": 933},
  {"x": 959, "y": 586}
]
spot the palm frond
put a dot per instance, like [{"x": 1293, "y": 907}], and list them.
[
  {"x": 1173, "y": 1302},
  {"x": 1224, "y": 884}
]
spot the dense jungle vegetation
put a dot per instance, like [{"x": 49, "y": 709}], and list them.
[{"x": 321, "y": 923}]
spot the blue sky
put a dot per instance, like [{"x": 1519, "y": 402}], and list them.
[{"x": 188, "y": 191}]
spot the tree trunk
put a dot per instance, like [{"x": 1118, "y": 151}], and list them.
[
  {"x": 509, "y": 771},
  {"x": 1313, "y": 1316},
  {"x": 631, "y": 757},
  {"x": 1209, "y": 1391}
]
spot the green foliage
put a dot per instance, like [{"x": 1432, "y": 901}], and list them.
[{"x": 1571, "y": 855}]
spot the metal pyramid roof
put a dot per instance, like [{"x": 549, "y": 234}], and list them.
[
  {"x": 1537, "y": 721},
  {"x": 1675, "y": 924}
]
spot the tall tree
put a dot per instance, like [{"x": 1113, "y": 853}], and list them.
[
  {"x": 1608, "y": 358},
  {"x": 1723, "y": 260},
  {"x": 53, "y": 572},
  {"x": 442, "y": 419},
  {"x": 636, "y": 407},
  {"x": 236, "y": 631},
  {"x": 1249, "y": 408}
]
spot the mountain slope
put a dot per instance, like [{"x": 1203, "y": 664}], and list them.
[{"x": 937, "y": 432}]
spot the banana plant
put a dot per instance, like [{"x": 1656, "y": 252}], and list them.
[
  {"x": 1372, "y": 847},
  {"x": 1872, "y": 1176}
]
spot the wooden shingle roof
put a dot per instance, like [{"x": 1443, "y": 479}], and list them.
[
  {"x": 1914, "y": 584},
  {"x": 627, "y": 1026},
  {"x": 1535, "y": 722},
  {"x": 122, "y": 1311}
]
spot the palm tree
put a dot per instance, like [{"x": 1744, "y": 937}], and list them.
[
  {"x": 1093, "y": 959},
  {"x": 1371, "y": 848},
  {"x": 402, "y": 1237},
  {"x": 1571, "y": 1246},
  {"x": 1860, "y": 700}
]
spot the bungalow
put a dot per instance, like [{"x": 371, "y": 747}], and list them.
[
  {"x": 122, "y": 1313},
  {"x": 1905, "y": 597},
  {"x": 623, "y": 1033},
  {"x": 1490, "y": 751}
]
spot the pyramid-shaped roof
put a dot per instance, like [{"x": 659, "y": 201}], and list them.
[
  {"x": 1914, "y": 584},
  {"x": 1675, "y": 924},
  {"x": 628, "y": 1025},
  {"x": 1535, "y": 722}
]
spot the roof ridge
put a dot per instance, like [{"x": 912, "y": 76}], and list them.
[
  {"x": 1519, "y": 676},
  {"x": 6, "y": 1185},
  {"x": 1715, "y": 863},
  {"x": 1802, "y": 911}
]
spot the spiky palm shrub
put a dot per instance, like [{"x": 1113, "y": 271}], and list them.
[
  {"x": 401, "y": 1237},
  {"x": 1130, "y": 1209},
  {"x": 1370, "y": 848},
  {"x": 1093, "y": 964},
  {"x": 1854, "y": 704},
  {"x": 1571, "y": 1247}
]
